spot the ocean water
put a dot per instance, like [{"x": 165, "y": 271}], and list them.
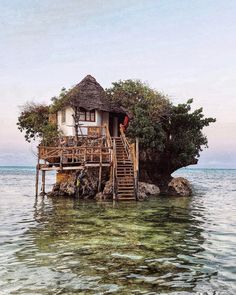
[{"x": 164, "y": 245}]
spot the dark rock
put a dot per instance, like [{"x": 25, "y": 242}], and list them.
[
  {"x": 108, "y": 189},
  {"x": 179, "y": 186},
  {"x": 146, "y": 190},
  {"x": 71, "y": 185},
  {"x": 99, "y": 196}
]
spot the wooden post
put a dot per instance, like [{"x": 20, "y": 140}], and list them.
[
  {"x": 43, "y": 181},
  {"x": 37, "y": 181},
  {"x": 137, "y": 165},
  {"x": 85, "y": 155},
  {"x": 137, "y": 154},
  {"x": 37, "y": 177},
  {"x": 114, "y": 170},
  {"x": 61, "y": 158},
  {"x": 100, "y": 171}
]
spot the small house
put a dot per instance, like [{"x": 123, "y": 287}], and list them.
[{"x": 94, "y": 107}]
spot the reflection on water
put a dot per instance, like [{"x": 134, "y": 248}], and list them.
[{"x": 66, "y": 246}]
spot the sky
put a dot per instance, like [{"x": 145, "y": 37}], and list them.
[{"x": 184, "y": 48}]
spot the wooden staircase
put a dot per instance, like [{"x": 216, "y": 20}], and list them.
[{"x": 125, "y": 178}]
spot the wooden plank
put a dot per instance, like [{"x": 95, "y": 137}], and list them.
[{"x": 74, "y": 167}]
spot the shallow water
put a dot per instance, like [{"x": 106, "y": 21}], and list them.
[{"x": 161, "y": 246}]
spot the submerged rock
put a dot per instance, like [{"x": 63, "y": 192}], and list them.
[
  {"x": 146, "y": 190},
  {"x": 179, "y": 186}
]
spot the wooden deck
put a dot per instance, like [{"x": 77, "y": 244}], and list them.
[
  {"x": 97, "y": 149},
  {"x": 69, "y": 156},
  {"x": 68, "y": 152}
]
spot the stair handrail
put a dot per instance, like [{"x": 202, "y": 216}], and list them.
[
  {"x": 109, "y": 142},
  {"x": 125, "y": 141},
  {"x": 114, "y": 170},
  {"x": 133, "y": 154}
]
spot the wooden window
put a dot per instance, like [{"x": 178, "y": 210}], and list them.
[
  {"x": 63, "y": 116},
  {"x": 88, "y": 116},
  {"x": 92, "y": 116},
  {"x": 82, "y": 116}
]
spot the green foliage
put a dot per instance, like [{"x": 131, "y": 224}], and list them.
[
  {"x": 133, "y": 93},
  {"x": 174, "y": 132},
  {"x": 142, "y": 126},
  {"x": 59, "y": 102},
  {"x": 185, "y": 137},
  {"x": 148, "y": 108},
  {"x": 34, "y": 121}
]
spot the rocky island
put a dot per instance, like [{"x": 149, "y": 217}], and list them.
[{"x": 121, "y": 143}]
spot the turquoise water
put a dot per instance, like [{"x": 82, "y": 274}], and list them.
[{"x": 161, "y": 246}]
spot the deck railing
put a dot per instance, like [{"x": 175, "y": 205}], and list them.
[
  {"x": 94, "y": 148},
  {"x": 66, "y": 155}
]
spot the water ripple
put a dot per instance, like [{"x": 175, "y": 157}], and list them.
[{"x": 165, "y": 245}]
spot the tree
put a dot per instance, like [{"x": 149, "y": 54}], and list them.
[
  {"x": 58, "y": 102},
  {"x": 170, "y": 136},
  {"x": 34, "y": 121}
]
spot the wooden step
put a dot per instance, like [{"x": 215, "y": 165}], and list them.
[
  {"x": 122, "y": 182},
  {"x": 125, "y": 189},
  {"x": 125, "y": 196},
  {"x": 124, "y": 172},
  {"x": 127, "y": 199},
  {"x": 124, "y": 175},
  {"x": 124, "y": 167},
  {"x": 125, "y": 180}
]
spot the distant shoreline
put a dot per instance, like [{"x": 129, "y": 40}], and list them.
[{"x": 181, "y": 169}]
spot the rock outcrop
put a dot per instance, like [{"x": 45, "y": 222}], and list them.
[
  {"x": 179, "y": 186},
  {"x": 107, "y": 193},
  {"x": 83, "y": 184},
  {"x": 146, "y": 190}
]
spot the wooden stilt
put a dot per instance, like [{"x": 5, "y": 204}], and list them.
[
  {"x": 137, "y": 166},
  {"x": 100, "y": 172},
  {"x": 43, "y": 181},
  {"x": 37, "y": 181},
  {"x": 114, "y": 162}
]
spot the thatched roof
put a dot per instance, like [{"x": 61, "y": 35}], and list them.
[{"x": 90, "y": 95}]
